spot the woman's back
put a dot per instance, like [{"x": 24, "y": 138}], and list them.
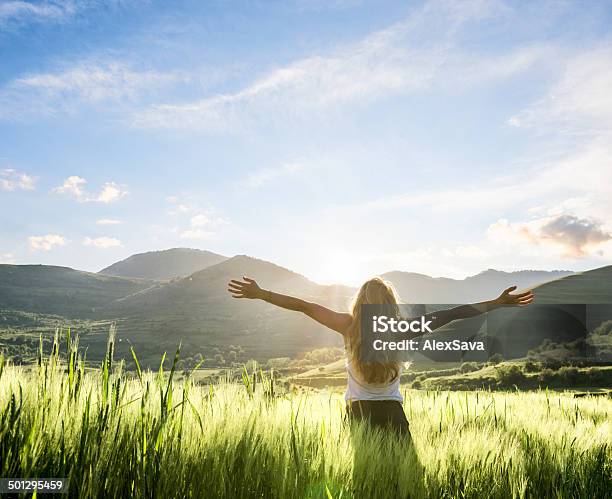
[{"x": 358, "y": 389}]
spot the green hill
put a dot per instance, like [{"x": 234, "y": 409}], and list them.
[
  {"x": 61, "y": 290},
  {"x": 593, "y": 286}
]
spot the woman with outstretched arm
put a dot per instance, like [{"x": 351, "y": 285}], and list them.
[{"x": 373, "y": 388}]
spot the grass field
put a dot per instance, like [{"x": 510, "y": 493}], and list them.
[{"x": 147, "y": 435}]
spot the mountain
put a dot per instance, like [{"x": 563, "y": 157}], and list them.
[
  {"x": 165, "y": 264},
  {"x": 61, "y": 290},
  {"x": 419, "y": 288}
]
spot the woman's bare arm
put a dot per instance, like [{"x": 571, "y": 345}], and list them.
[
  {"x": 505, "y": 299},
  {"x": 248, "y": 288}
]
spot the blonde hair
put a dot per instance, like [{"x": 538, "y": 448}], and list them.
[{"x": 376, "y": 291}]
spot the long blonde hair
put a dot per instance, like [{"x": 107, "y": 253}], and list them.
[{"x": 376, "y": 291}]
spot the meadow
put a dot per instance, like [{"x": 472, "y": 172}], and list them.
[{"x": 147, "y": 434}]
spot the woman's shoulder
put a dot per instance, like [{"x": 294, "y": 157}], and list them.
[{"x": 345, "y": 321}]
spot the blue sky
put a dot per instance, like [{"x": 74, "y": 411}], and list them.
[{"x": 340, "y": 139}]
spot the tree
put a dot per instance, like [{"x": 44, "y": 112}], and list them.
[
  {"x": 468, "y": 367},
  {"x": 496, "y": 359},
  {"x": 604, "y": 329},
  {"x": 509, "y": 375}
]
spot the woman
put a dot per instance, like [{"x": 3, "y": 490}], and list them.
[{"x": 373, "y": 388}]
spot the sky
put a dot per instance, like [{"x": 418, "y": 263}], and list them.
[{"x": 340, "y": 139}]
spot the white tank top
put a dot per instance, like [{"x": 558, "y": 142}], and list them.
[{"x": 360, "y": 390}]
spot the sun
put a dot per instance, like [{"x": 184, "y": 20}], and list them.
[{"x": 339, "y": 267}]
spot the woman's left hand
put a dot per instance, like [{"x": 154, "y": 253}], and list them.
[{"x": 506, "y": 299}]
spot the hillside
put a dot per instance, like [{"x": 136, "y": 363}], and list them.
[
  {"x": 419, "y": 288},
  {"x": 165, "y": 264},
  {"x": 593, "y": 286},
  {"x": 61, "y": 290},
  {"x": 198, "y": 311}
]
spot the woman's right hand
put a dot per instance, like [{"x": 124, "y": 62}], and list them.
[{"x": 247, "y": 288}]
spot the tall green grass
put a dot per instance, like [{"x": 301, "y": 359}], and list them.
[{"x": 145, "y": 434}]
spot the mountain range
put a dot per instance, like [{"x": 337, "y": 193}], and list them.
[{"x": 160, "y": 298}]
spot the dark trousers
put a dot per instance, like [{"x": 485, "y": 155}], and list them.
[
  {"x": 404, "y": 468},
  {"x": 384, "y": 414}
]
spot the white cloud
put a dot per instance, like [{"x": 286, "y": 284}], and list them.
[
  {"x": 267, "y": 175},
  {"x": 102, "y": 242},
  {"x": 7, "y": 258},
  {"x": 202, "y": 226},
  {"x": 200, "y": 220},
  {"x": 46, "y": 243},
  {"x": 74, "y": 185},
  {"x": 197, "y": 234},
  {"x": 180, "y": 206},
  {"x": 574, "y": 237},
  {"x": 391, "y": 61},
  {"x": 110, "y": 192},
  {"x": 11, "y": 180},
  {"x": 180, "y": 209},
  {"x": 208, "y": 220},
  {"x": 108, "y": 221}
]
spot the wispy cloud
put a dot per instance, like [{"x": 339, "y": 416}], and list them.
[
  {"x": 580, "y": 102},
  {"x": 322, "y": 5},
  {"x": 192, "y": 221},
  {"x": 108, "y": 221},
  {"x": 7, "y": 258},
  {"x": 391, "y": 61},
  {"x": 11, "y": 180},
  {"x": 86, "y": 83},
  {"x": 203, "y": 226},
  {"x": 197, "y": 234},
  {"x": 20, "y": 11},
  {"x": 268, "y": 175},
  {"x": 46, "y": 243},
  {"x": 74, "y": 186},
  {"x": 102, "y": 242}
]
